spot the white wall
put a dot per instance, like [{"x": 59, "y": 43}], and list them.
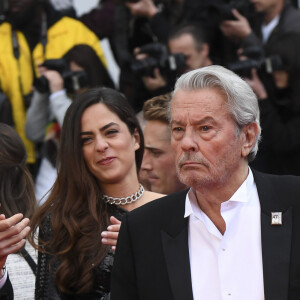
[{"x": 84, "y": 6}]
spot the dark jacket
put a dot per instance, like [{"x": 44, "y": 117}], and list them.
[{"x": 152, "y": 257}]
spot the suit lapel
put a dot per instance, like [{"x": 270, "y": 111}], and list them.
[
  {"x": 176, "y": 252},
  {"x": 276, "y": 239}
]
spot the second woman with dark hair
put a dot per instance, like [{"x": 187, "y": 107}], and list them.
[{"x": 100, "y": 153}]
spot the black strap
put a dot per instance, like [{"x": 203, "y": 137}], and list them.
[{"x": 29, "y": 260}]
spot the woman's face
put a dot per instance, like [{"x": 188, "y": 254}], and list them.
[
  {"x": 281, "y": 79},
  {"x": 108, "y": 146}
]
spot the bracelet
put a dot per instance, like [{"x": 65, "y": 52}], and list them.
[{"x": 3, "y": 271}]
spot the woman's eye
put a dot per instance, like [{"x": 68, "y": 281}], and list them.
[
  {"x": 112, "y": 131},
  {"x": 85, "y": 140}
]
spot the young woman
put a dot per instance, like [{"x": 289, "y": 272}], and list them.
[
  {"x": 47, "y": 109},
  {"x": 16, "y": 196},
  {"x": 100, "y": 154}
]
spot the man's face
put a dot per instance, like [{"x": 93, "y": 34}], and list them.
[
  {"x": 263, "y": 6},
  {"x": 204, "y": 137},
  {"x": 185, "y": 44},
  {"x": 158, "y": 166}
]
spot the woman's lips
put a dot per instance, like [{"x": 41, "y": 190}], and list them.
[{"x": 106, "y": 161}]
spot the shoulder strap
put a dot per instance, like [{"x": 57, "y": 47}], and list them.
[{"x": 29, "y": 260}]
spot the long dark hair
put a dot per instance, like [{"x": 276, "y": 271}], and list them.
[
  {"x": 86, "y": 57},
  {"x": 16, "y": 184},
  {"x": 77, "y": 214}
]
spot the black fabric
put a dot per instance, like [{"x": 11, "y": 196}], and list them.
[
  {"x": 141, "y": 270},
  {"x": 6, "y": 292}
]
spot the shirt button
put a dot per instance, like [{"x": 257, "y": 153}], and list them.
[{"x": 223, "y": 249}]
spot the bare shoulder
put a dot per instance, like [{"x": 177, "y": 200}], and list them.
[
  {"x": 148, "y": 197},
  {"x": 153, "y": 196}
]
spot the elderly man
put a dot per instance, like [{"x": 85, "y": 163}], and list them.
[
  {"x": 158, "y": 166},
  {"x": 220, "y": 239}
]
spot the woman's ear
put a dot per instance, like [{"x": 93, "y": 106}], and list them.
[{"x": 137, "y": 139}]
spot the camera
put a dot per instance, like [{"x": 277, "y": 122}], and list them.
[
  {"x": 158, "y": 57},
  {"x": 222, "y": 12},
  {"x": 73, "y": 81},
  {"x": 255, "y": 60}
]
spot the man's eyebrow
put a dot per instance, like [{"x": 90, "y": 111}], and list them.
[
  {"x": 205, "y": 120},
  {"x": 152, "y": 148},
  {"x": 101, "y": 129},
  {"x": 201, "y": 121},
  {"x": 174, "y": 122}
]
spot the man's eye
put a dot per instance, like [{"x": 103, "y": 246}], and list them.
[
  {"x": 156, "y": 153},
  {"x": 205, "y": 128},
  {"x": 177, "y": 129}
]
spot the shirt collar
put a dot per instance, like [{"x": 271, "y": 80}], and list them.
[{"x": 241, "y": 195}]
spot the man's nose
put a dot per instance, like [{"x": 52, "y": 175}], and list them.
[
  {"x": 188, "y": 142},
  {"x": 146, "y": 162}
]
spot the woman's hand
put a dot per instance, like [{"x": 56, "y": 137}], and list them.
[
  {"x": 13, "y": 232},
  {"x": 110, "y": 237}
]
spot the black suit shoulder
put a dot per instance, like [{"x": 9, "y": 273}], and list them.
[
  {"x": 277, "y": 191},
  {"x": 171, "y": 203}
]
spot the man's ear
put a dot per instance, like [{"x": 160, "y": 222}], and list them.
[
  {"x": 250, "y": 133},
  {"x": 205, "y": 49},
  {"x": 137, "y": 139}
]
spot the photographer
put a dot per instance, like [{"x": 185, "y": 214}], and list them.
[
  {"x": 279, "y": 100},
  {"x": 51, "y": 99},
  {"x": 188, "y": 45},
  {"x": 274, "y": 18}
]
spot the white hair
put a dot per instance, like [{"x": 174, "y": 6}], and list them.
[{"x": 241, "y": 100}]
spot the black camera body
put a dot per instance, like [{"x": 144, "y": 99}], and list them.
[
  {"x": 3, "y": 10},
  {"x": 6, "y": 115},
  {"x": 158, "y": 57},
  {"x": 255, "y": 60},
  {"x": 73, "y": 80}
]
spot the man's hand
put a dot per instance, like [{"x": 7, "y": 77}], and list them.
[
  {"x": 110, "y": 237},
  {"x": 236, "y": 29},
  {"x": 13, "y": 232},
  {"x": 155, "y": 82},
  {"x": 56, "y": 82},
  {"x": 142, "y": 8},
  {"x": 257, "y": 86}
]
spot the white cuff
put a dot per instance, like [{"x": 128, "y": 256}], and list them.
[
  {"x": 3, "y": 279},
  {"x": 56, "y": 94}
]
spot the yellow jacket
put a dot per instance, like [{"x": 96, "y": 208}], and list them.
[{"x": 16, "y": 75}]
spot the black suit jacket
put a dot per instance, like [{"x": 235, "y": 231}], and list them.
[{"x": 152, "y": 256}]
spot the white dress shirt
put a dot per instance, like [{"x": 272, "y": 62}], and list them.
[
  {"x": 227, "y": 266},
  {"x": 266, "y": 30}
]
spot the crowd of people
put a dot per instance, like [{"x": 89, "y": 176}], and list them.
[{"x": 208, "y": 98}]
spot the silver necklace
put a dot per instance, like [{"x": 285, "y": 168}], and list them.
[{"x": 125, "y": 200}]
